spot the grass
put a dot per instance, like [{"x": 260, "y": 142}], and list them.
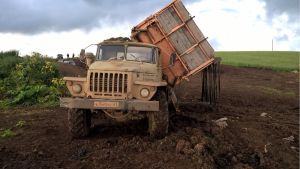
[
  {"x": 20, "y": 123},
  {"x": 273, "y": 91},
  {"x": 7, "y": 133},
  {"x": 279, "y": 61}
]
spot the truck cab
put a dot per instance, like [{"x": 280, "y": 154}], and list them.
[{"x": 124, "y": 81}]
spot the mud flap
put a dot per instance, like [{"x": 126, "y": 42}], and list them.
[
  {"x": 211, "y": 82},
  {"x": 172, "y": 99}
]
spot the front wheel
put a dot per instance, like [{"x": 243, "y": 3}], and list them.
[
  {"x": 158, "y": 122},
  {"x": 79, "y": 122}
]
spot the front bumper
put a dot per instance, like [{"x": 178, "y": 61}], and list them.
[{"x": 84, "y": 103}]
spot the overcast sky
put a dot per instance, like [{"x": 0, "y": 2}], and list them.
[{"x": 65, "y": 26}]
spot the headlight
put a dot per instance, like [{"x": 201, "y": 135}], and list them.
[
  {"x": 76, "y": 88},
  {"x": 145, "y": 92}
]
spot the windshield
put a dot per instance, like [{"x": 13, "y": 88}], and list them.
[
  {"x": 134, "y": 53},
  {"x": 111, "y": 53},
  {"x": 142, "y": 54}
]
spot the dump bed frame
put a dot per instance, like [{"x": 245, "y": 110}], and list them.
[{"x": 184, "y": 49}]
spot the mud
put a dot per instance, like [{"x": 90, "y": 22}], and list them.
[{"x": 249, "y": 140}]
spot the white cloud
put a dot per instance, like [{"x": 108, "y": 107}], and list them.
[
  {"x": 284, "y": 33},
  {"x": 230, "y": 25},
  {"x": 242, "y": 25}
]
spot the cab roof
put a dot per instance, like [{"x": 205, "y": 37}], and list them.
[{"x": 127, "y": 43}]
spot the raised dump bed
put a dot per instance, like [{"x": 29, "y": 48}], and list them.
[{"x": 184, "y": 49}]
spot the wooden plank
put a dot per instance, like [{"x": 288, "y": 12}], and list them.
[
  {"x": 195, "y": 30},
  {"x": 183, "y": 11},
  {"x": 169, "y": 20},
  {"x": 194, "y": 58},
  {"x": 199, "y": 36},
  {"x": 209, "y": 50},
  {"x": 181, "y": 40}
]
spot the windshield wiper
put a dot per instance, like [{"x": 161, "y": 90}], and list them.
[{"x": 136, "y": 58}]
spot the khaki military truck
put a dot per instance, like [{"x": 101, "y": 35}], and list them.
[
  {"x": 124, "y": 81},
  {"x": 135, "y": 79}
]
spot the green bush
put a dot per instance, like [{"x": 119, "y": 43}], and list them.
[
  {"x": 8, "y": 61},
  {"x": 35, "y": 80}
]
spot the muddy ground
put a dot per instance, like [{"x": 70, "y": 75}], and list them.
[{"x": 262, "y": 131}]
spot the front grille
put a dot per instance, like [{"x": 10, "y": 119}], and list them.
[{"x": 107, "y": 84}]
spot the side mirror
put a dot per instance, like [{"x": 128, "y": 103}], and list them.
[
  {"x": 172, "y": 59},
  {"x": 89, "y": 58},
  {"x": 82, "y": 54}
]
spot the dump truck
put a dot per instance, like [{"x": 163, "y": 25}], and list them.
[{"x": 135, "y": 79}]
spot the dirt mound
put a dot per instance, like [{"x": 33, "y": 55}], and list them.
[{"x": 196, "y": 139}]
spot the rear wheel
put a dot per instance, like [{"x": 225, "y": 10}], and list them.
[
  {"x": 158, "y": 122},
  {"x": 79, "y": 122}
]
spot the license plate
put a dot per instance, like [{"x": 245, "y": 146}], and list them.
[{"x": 106, "y": 104}]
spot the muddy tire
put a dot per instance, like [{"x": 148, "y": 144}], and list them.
[
  {"x": 158, "y": 122},
  {"x": 79, "y": 122}
]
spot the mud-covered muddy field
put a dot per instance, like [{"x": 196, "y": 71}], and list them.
[{"x": 259, "y": 128}]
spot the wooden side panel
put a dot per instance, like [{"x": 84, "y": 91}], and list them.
[
  {"x": 200, "y": 37},
  {"x": 208, "y": 49},
  {"x": 182, "y": 40},
  {"x": 195, "y": 58},
  {"x": 173, "y": 30},
  {"x": 182, "y": 10},
  {"x": 195, "y": 30},
  {"x": 169, "y": 20}
]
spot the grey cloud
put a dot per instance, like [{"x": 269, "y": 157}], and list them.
[
  {"x": 36, "y": 16},
  {"x": 277, "y": 7}
]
